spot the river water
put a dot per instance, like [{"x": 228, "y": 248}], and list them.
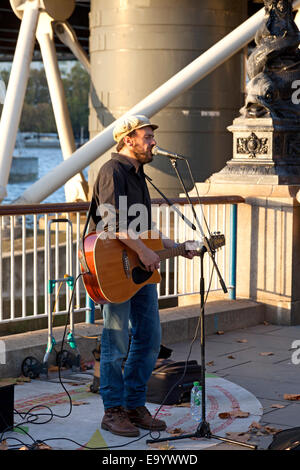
[{"x": 48, "y": 158}]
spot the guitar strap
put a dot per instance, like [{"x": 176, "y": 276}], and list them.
[
  {"x": 170, "y": 203},
  {"x": 81, "y": 252}
]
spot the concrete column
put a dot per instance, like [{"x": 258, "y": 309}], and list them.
[{"x": 136, "y": 46}]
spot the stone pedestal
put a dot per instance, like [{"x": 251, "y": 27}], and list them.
[
  {"x": 268, "y": 246},
  {"x": 265, "y": 151}
]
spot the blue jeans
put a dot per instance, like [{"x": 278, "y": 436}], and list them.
[{"x": 128, "y": 387}]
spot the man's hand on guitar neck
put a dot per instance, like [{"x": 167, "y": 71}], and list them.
[{"x": 168, "y": 243}]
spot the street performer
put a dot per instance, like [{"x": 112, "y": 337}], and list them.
[{"x": 123, "y": 385}]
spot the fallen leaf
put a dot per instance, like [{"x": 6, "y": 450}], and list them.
[
  {"x": 175, "y": 431},
  {"x": 211, "y": 363},
  {"x": 255, "y": 425},
  {"x": 225, "y": 415},
  {"x": 234, "y": 414},
  {"x": 231, "y": 357},
  {"x": 266, "y": 353},
  {"x": 3, "y": 445},
  {"x": 43, "y": 446},
  {"x": 291, "y": 396},
  {"x": 242, "y": 341},
  {"x": 277, "y": 405},
  {"x": 238, "y": 436},
  {"x": 78, "y": 403},
  {"x": 160, "y": 446},
  {"x": 261, "y": 430},
  {"x": 220, "y": 332},
  {"x": 270, "y": 430}
]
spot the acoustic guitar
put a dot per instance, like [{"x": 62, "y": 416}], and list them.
[{"x": 115, "y": 272}]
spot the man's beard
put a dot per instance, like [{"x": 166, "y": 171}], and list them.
[{"x": 143, "y": 157}]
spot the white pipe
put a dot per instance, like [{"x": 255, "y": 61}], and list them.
[
  {"x": 68, "y": 37},
  {"x": 161, "y": 97},
  {"x": 44, "y": 36},
  {"x": 74, "y": 187},
  {"x": 16, "y": 89}
]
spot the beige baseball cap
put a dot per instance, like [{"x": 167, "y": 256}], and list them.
[{"x": 131, "y": 123}]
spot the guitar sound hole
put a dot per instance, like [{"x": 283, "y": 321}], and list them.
[{"x": 139, "y": 275}]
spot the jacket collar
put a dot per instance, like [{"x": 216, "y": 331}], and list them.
[{"x": 129, "y": 166}]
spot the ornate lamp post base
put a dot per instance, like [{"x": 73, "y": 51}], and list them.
[{"x": 265, "y": 151}]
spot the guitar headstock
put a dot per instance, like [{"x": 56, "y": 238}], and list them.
[{"x": 216, "y": 240}]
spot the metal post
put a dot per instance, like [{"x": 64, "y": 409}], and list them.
[
  {"x": 90, "y": 310},
  {"x": 232, "y": 259},
  {"x": 16, "y": 89}
]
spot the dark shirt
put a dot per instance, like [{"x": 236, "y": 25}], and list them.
[{"x": 118, "y": 177}]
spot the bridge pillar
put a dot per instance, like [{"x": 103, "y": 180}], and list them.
[{"x": 136, "y": 46}]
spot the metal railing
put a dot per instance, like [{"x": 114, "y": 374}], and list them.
[{"x": 27, "y": 237}]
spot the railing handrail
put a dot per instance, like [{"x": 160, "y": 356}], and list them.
[{"x": 47, "y": 208}]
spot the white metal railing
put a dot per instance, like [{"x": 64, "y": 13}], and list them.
[{"x": 25, "y": 234}]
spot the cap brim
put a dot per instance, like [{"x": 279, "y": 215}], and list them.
[{"x": 154, "y": 126}]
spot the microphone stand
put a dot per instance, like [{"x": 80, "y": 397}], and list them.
[{"x": 203, "y": 429}]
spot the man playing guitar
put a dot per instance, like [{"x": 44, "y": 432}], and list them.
[{"x": 123, "y": 386}]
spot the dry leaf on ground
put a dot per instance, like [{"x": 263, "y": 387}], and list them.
[
  {"x": 161, "y": 446},
  {"x": 43, "y": 446},
  {"x": 277, "y": 405},
  {"x": 269, "y": 353},
  {"x": 292, "y": 396},
  {"x": 3, "y": 445},
  {"x": 260, "y": 430},
  {"x": 242, "y": 341},
  {"x": 238, "y": 436},
  {"x": 175, "y": 431},
  {"x": 234, "y": 414},
  {"x": 270, "y": 430},
  {"x": 255, "y": 425}
]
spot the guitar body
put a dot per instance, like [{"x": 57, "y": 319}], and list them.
[{"x": 116, "y": 272}]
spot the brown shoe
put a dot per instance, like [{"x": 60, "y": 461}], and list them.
[
  {"x": 142, "y": 418},
  {"x": 116, "y": 421}
]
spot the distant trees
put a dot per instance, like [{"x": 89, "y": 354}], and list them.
[
  {"x": 77, "y": 87},
  {"x": 37, "y": 114}
]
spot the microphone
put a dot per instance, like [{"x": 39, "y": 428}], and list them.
[{"x": 159, "y": 151}]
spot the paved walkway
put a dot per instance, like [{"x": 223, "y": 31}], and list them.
[
  {"x": 253, "y": 383},
  {"x": 264, "y": 361}
]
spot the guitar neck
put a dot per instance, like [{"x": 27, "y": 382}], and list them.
[{"x": 171, "y": 252}]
